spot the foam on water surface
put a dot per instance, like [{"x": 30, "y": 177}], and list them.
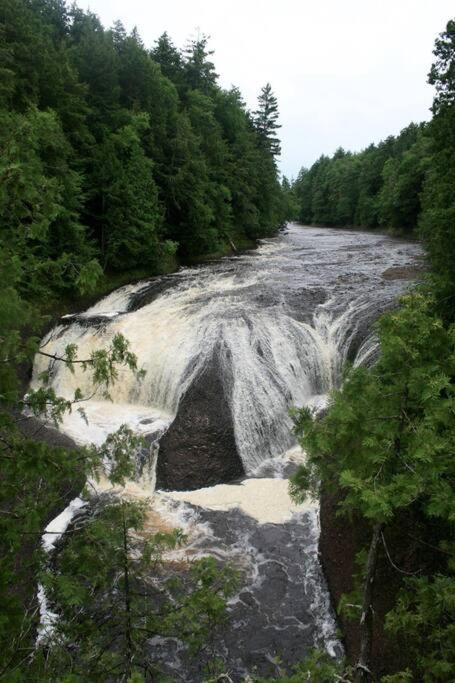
[
  {"x": 265, "y": 500},
  {"x": 281, "y": 322},
  {"x": 101, "y": 418}
]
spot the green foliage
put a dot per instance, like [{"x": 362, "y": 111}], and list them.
[
  {"x": 199, "y": 71},
  {"x": 204, "y": 610},
  {"x": 350, "y": 604},
  {"x": 424, "y": 617},
  {"x": 387, "y": 444},
  {"x": 317, "y": 667},
  {"x": 266, "y": 120},
  {"x": 437, "y": 222},
  {"x": 40, "y": 197},
  {"x": 35, "y": 475},
  {"x": 401, "y": 677},
  {"x": 380, "y": 186},
  {"x": 399, "y": 203},
  {"x": 111, "y": 594},
  {"x": 388, "y": 437},
  {"x": 108, "y": 149},
  {"x": 130, "y": 216},
  {"x": 442, "y": 72}
]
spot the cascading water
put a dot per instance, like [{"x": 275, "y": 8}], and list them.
[
  {"x": 274, "y": 327},
  {"x": 282, "y": 321}
]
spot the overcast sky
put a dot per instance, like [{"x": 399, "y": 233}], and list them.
[{"x": 346, "y": 72}]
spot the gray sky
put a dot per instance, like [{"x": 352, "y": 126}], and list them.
[{"x": 346, "y": 72}]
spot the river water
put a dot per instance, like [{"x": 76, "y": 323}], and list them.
[{"x": 227, "y": 348}]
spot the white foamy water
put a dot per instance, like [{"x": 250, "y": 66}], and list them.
[
  {"x": 52, "y": 534},
  {"x": 280, "y": 323},
  {"x": 265, "y": 500},
  {"x": 101, "y": 418}
]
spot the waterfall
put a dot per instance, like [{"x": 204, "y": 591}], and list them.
[
  {"x": 282, "y": 322},
  {"x": 270, "y": 330}
]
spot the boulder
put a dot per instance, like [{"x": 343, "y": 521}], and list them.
[{"x": 199, "y": 447}]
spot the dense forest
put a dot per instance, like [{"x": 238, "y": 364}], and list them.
[
  {"x": 378, "y": 188},
  {"x": 119, "y": 159},
  {"x": 114, "y": 156},
  {"x": 387, "y": 185}
]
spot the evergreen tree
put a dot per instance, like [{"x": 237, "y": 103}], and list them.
[
  {"x": 109, "y": 589},
  {"x": 129, "y": 216},
  {"x": 168, "y": 57},
  {"x": 31, "y": 466},
  {"x": 199, "y": 71},
  {"x": 380, "y": 186},
  {"x": 266, "y": 120},
  {"x": 438, "y": 217},
  {"x": 387, "y": 444},
  {"x": 399, "y": 201}
]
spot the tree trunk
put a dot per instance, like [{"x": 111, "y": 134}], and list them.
[
  {"x": 234, "y": 248},
  {"x": 126, "y": 578},
  {"x": 362, "y": 670}
]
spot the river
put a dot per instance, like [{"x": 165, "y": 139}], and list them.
[{"x": 227, "y": 348}]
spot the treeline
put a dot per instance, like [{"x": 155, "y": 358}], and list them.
[
  {"x": 380, "y": 187},
  {"x": 115, "y": 156},
  {"x": 385, "y": 449}
]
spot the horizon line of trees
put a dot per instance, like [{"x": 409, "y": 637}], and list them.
[{"x": 380, "y": 187}]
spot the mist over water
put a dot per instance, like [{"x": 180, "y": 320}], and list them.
[{"x": 280, "y": 322}]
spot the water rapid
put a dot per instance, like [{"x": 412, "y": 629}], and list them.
[{"x": 227, "y": 348}]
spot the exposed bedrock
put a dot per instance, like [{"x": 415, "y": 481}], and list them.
[{"x": 199, "y": 447}]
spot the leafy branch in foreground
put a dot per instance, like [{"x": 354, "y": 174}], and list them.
[
  {"x": 103, "y": 365},
  {"x": 106, "y": 586},
  {"x": 317, "y": 667},
  {"x": 111, "y": 590},
  {"x": 387, "y": 444},
  {"x": 36, "y": 477}
]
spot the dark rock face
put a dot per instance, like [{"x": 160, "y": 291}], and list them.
[
  {"x": 149, "y": 292},
  {"x": 199, "y": 447},
  {"x": 339, "y": 544},
  {"x": 34, "y": 429}
]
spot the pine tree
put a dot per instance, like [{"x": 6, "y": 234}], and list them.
[
  {"x": 199, "y": 70},
  {"x": 266, "y": 120},
  {"x": 437, "y": 223},
  {"x": 169, "y": 58},
  {"x": 129, "y": 215}
]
